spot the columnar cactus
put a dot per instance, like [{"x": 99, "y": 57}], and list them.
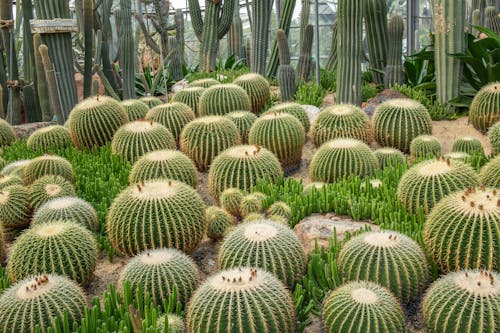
[
  {"x": 262, "y": 11},
  {"x": 485, "y": 108},
  {"x": 190, "y": 96},
  {"x": 490, "y": 173},
  {"x": 218, "y": 222},
  {"x": 257, "y": 88},
  {"x": 304, "y": 64},
  {"x": 47, "y": 165},
  {"x": 6, "y": 181},
  {"x": 135, "y": 108},
  {"x": 247, "y": 294},
  {"x": 49, "y": 138},
  {"x": 251, "y": 204},
  {"x": 405, "y": 266},
  {"x": 381, "y": 311},
  {"x": 235, "y": 36},
  {"x": 332, "y": 61},
  {"x": 398, "y": 121},
  {"x": 286, "y": 72},
  {"x": 491, "y": 19},
  {"x": 14, "y": 206},
  {"x": 7, "y": 135},
  {"x": 174, "y": 116},
  {"x": 175, "y": 324},
  {"x": 393, "y": 73},
  {"x": 295, "y": 110},
  {"x": 377, "y": 36},
  {"x": 230, "y": 200},
  {"x": 388, "y": 157},
  {"x": 341, "y": 121},
  {"x": 140, "y": 211},
  {"x": 151, "y": 101},
  {"x": 15, "y": 168},
  {"x": 425, "y": 146},
  {"x": 48, "y": 188},
  {"x": 467, "y": 144},
  {"x": 279, "y": 208},
  {"x": 223, "y": 98},
  {"x": 127, "y": 52},
  {"x": 494, "y": 137},
  {"x": 243, "y": 121},
  {"x": 204, "y": 83}
]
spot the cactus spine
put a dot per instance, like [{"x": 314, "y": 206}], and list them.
[
  {"x": 127, "y": 53},
  {"x": 377, "y": 35},
  {"x": 261, "y": 10},
  {"x": 305, "y": 64},
  {"x": 286, "y": 73},
  {"x": 394, "y": 69}
]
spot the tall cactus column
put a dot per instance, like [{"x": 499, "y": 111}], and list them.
[
  {"x": 304, "y": 64},
  {"x": 376, "y": 35},
  {"x": 286, "y": 73},
  {"x": 127, "y": 54},
  {"x": 394, "y": 69},
  {"x": 235, "y": 36},
  {"x": 261, "y": 10}
]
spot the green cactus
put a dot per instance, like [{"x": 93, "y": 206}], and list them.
[
  {"x": 49, "y": 138},
  {"x": 464, "y": 301},
  {"x": 476, "y": 21},
  {"x": 14, "y": 206},
  {"x": 342, "y": 158},
  {"x": 7, "y": 135},
  {"x": 341, "y": 121},
  {"x": 174, "y": 116},
  {"x": 38, "y": 300},
  {"x": 47, "y": 165},
  {"x": 393, "y": 72},
  {"x": 281, "y": 209},
  {"x": 9, "y": 180},
  {"x": 485, "y": 108},
  {"x": 262, "y": 11},
  {"x": 405, "y": 265},
  {"x": 204, "y": 83},
  {"x": 490, "y": 173},
  {"x": 389, "y": 157},
  {"x": 295, "y": 110},
  {"x": 458, "y": 156},
  {"x": 304, "y": 64},
  {"x": 175, "y": 324},
  {"x": 151, "y": 101},
  {"x": 15, "y": 168},
  {"x": 494, "y": 137},
  {"x": 135, "y": 108},
  {"x": 49, "y": 187},
  {"x": 127, "y": 53},
  {"x": 218, "y": 222},
  {"x": 332, "y": 62},
  {"x": 425, "y": 146},
  {"x": 247, "y": 294},
  {"x": 257, "y": 89},
  {"x": 42, "y": 89},
  {"x": 491, "y": 19},
  {"x": 189, "y": 96},
  {"x": 223, "y": 98},
  {"x": 377, "y": 36},
  {"x": 176, "y": 59},
  {"x": 56, "y": 103},
  {"x": 235, "y": 36},
  {"x": 250, "y": 204},
  {"x": 318, "y": 186},
  {"x": 467, "y": 144},
  {"x": 230, "y": 200},
  {"x": 243, "y": 121},
  {"x": 242, "y": 167},
  {"x": 160, "y": 213},
  {"x": 426, "y": 183},
  {"x": 398, "y": 121},
  {"x": 286, "y": 73},
  {"x": 164, "y": 164}
]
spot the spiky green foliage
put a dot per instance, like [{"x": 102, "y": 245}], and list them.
[
  {"x": 160, "y": 272},
  {"x": 189, "y": 96},
  {"x": 389, "y": 157},
  {"x": 222, "y": 99},
  {"x": 458, "y": 156},
  {"x": 279, "y": 208},
  {"x": 427, "y": 182},
  {"x": 206, "y": 137},
  {"x": 218, "y": 222},
  {"x": 14, "y": 206},
  {"x": 47, "y": 165},
  {"x": 464, "y": 301},
  {"x": 342, "y": 158},
  {"x": 485, "y": 108},
  {"x": 140, "y": 137},
  {"x": 282, "y": 134},
  {"x": 257, "y": 88},
  {"x": 467, "y": 144},
  {"x": 135, "y": 108},
  {"x": 250, "y": 204},
  {"x": 256, "y": 300},
  {"x": 341, "y": 121},
  {"x": 37, "y": 301},
  {"x": 294, "y": 109},
  {"x": 490, "y": 173},
  {"x": 7, "y": 135},
  {"x": 151, "y": 101},
  {"x": 364, "y": 306},
  {"x": 167, "y": 164},
  {"x": 174, "y": 116},
  {"x": 230, "y": 200},
  {"x": 71, "y": 209},
  {"x": 405, "y": 266},
  {"x": 49, "y": 187},
  {"x": 425, "y": 146},
  {"x": 15, "y": 168},
  {"x": 49, "y": 138},
  {"x": 494, "y": 137},
  {"x": 162, "y": 213},
  {"x": 175, "y": 324},
  {"x": 398, "y": 121},
  {"x": 243, "y": 121},
  {"x": 6, "y": 181},
  {"x": 94, "y": 121},
  {"x": 204, "y": 83}
]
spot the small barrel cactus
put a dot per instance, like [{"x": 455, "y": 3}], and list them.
[
  {"x": 189, "y": 96},
  {"x": 389, "y": 157},
  {"x": 494, "y": 137},
  {"x": 426, "y": 183},
  {"x": 222, "y": 99},
  {"x": 135, "y": 109},
  {"x": 341, "y": 121},
  {"x": 425, "y": 146},
  {"x": 49, "y": 138},
  {"x": 15, "y": 168},
  {"x": 151, "y": 101},
  {"x": 47, "y": 165},
  {"x": 48, "y": 188},
  {"x": 156, "y": 214},
  {"x": 279, "y": 208},
  {"x": 490, "y": 173},
  {"x": 137, "y": 138},
  {"x": 204, "y": 83},
  {"x": 295, "y": 110},
  {"x": 160, "y": 272},
  {"x": 250, "y": 204},
  {"x": 7, "y": 134},
  {"x": 464, "y": 301},
  {"x": 342, "y": 158},
  {"x": 166, "y": 164},
  {"x": 247, "y": 294},
  {"x": 38, "y": 300},
  {"x": 174, "y": 116},
  {"x": 485, "y": 108},
  {"x": 14, "y": 206},
  {"x": 230, "y": 200},
  {"x": 6, "y": 181},
  {"x": 218, "y": 222},
  {"x": 458, "y": 156},
  {"x": 71, "y": 209},
  {"x": 363, "y": 306},
  {"x": 206, "y": 137},
  {"x": 175, "y": 324},
  {"x": 282, "y": 134},
  {"x": 243, "y": 121},
  {"x": 398, "y": 121},
  {"x": 257, "y": 88},
  {"x": 314, "y": 186},
  {"x": 467, "y": 144},
  {"x": 463, "y": 231},
  {"x": 60, "y": 247}
]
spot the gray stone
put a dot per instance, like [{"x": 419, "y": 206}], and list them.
[
  {"x": 312, "y": 112},
  {"x": 180, "y": 85}
]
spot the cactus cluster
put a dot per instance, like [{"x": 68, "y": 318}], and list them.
[
  {"x": 425, "y": 146},
  {"x": 151, "y": 101},
  {"x": 257, "y": 88},
  {"x": 243, "y": 121},
  {"x": 295, "y": 110},
  {"x": 136, "y": 109},
  {"x": 47, "y": 165},
  {"x": 218, "y": 222},
  {"x": 485, "y": 108},
  {"x": 14, "y": 206},
  {"x": 230, "y": 200},
  {"x": 388, "y": 157},
  {"x": 48, "y": 138},
  {"x": 204, "y": 83},
  {"x": 174, "y": 116},
  {"x": 223, "y": 98},
  {"x": 7, "y": 135},
  {"x": 467, "y": 144},
  {"x": 494, "y": 137},
  {"x": 490, "y": 173},
  {"x": 189, "y": 96},
  {"x": 48, "y": 188}
]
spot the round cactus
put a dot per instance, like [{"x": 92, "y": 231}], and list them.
[
  {"x": 490, "y": 173},
  {"x": 137, "y": 138},
  {"x": 363, "y": 306},
  {"x": 255, "y": 299},
  {"x": 295, "y": 110},
  {"x": 38, "y": 300},
  {"x": 175, "y": 324},
  {"x": 341, "y": 121},
  {"x": 230, "y": 200},
  {"x": 425, "y": 146},
  {"x": 135, "y": 109},
  {"x": 342, "y": 158},
  {"x": 494, "y": 137},
  {"x": 204, "y": 83},
  {"x": 14, "y": 206},
  {"x": 157, "y": 214},
  {"x": 222, "y": 99},
  {"x": 424, "y": 184},
  {"x": 189, "y": 96},
  {"x": 160, "y": 272},
  {"x": 151, "y": 101},
  {"x": 467, "y": 144},
  {"x": 48, "y": 188},
  {"x": 49, "y": 138},
  {"x": 7, "y": 134},
  {"x": 60, "y": 247},
  {"x": 15, "y": 168},
  {"x": 250, "y": 204},
  {"x": 67, "y": 209},
  {"x": 257, "y": 88},
  {"x": 47, "y": 165},
  {"x": 174, "y": 116},
  {"x": 166, "y": 164},
  {"x": 6, "y": 181},
  {"x": 279, "y": 208},
  {"x": 464, "y": 301},
  {"x": 389, "y": 157},
  {"x": 458, "y": 156},
  {"x": 484, "y": 110},
  {"x": 206, "y": 137},
  {"x": 243, "y": 121},
  {"x": 94, "y": 121},
  {"x": 405, "y": 266},
  {"x": 218, "y": 222},
  {"x": 398, "y": 121}
]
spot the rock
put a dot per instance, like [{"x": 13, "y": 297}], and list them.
[
  {"x": 385, "y": 95},
  {"x": 315, "y": 326},
  {"x": 312, "y": 111},
  {"x": 180, "y": 85},
  {"x": 322, "y": 227},
  {"x": 24, "y": 131},
  {"x": 205, "y": 257},
  {"x": 329, "y": 100}
]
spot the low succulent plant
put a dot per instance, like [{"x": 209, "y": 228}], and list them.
[
  {"x": 204, "y": 83},
  {"x": 389, "y": 157},
  {"x": 425, "y": 146},
  {"x": 174, "y": 116},
  {"x": 484, "y": 110},
  {"x": 295, "y": 110},
  {"x": 189, "y": 96},
  {"x": 467, "y": 144},
  {"x": 48, "y": 188},
  {"x": 49, "y": 138},
  {"x": 151, "y": 101},
  {"x": 14, "y": 206},
  {"x": 7, "y": 134},
  {"x": 222, "y": 99},
  {"x": 257, "y": 88},
  {"x": 243, "y": 121},
  {"x": 135, "y": 109},
  {"x": 490, "y": 173},
  {"x": 175, "y": 324},
  {"x": 230, "y": 200},
  {"x": 47, "y": 165},
  {"x": 218, "y": 222},
  {"x": 494, "y": 137}
]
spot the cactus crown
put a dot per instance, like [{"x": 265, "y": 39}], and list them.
[
  {"x": 155, "y": 190},
  {"x": 478, "y": 283},
  {"x": 37, "y": 286},
  {"x": 238, "y": 279}
]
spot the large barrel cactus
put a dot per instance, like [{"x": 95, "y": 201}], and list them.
[
  {"x": 243, "y": 121},
  {"x": 14, "y": 206},
  {"x": 204, "y": 83},
  {"x": 7, "y": 135},
  {"x": 257, "y": 88},
  {"x": 49, "y": 138},
  {"x": 48, "y": 188},
  {"x": 494, "y": 137},
  {"x": 467, "y": 144},
  {"x": 47, "y": 165},
  {"x": 136, "y": 109},
  {"x": 6, "y": 181},
  {"x": 425, "y": 146},
  {"x": 174, "y": 116},
  {"x": 190, "y": 96},
  {"x": 485, "y": 108},
  {"x": 151, "y": 101},
  {"x": 295, "y": 110},
  {"x": 490, "y": 173},
  {"x": 222, "y": 99},
  {"x": 389, "y": 157}
]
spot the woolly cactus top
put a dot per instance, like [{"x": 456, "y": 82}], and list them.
[
  {"x": 51, "y": 229},
  {"x": 382, "y": 239},
  {"x": 260, "y": 232},
  {"x": 477, "y": 283},
  {"x": 434, "y": 168},
  {"x": 155, "y": 190},
  {"x": 477, "y": 201},
  {"x": 239, "y": 279},
  {"x": 401, "y": 103},
  {"x": 365, "y": 296},
  {"x": 245, "y": 151},
  {"x": 62, "y": 203},
  {"x": 343, "y": 109},
  {"x": 159, "y": 256},
  {"x": 96, "y": 101},
  {"x": 492, "y": 88},
  {"x": 36, "y": 287},
  {"x": 457, "y": 155},
  {"x": 140, "y": 126},
  {"x": 343, "y": 143},
  {"x": 161, "y": 155}
]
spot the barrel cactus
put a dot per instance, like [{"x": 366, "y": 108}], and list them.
[
  {"x": 160, "y": 272},
  {"x": 38, "y": 300},
  {"x": 341, "y": 121},
  {"x": 156, "y": 214},
  {"x": 458, "y": 156},
  {"x": 314, "y": 186},
  {"x": 426, "y": 183},
  {"x": 222, "y": 99},
  {"x": 15, "y": 168},
  {"x": 279, "y": 208},
  {"x": 167, "y": 164},
  {"x": 135, "y": 109},
  {"x": 230, "y": 200},
  {"x": 7, "y": 134},
  {"x": 94, "y": 121},
  {"x": 425, "y": 146},
  {"x": 389, "y": 157},
  {"x": 405, "y": 270},
  {"x": 48, "y": 188},
  {"x": 485, "y": 108},
  {"x": 362, "y": 305},
  {"x": 49, "y": 138},
  {"x": 490, "y": 173},
  {"x": 206, "y": 137},
  {"x": 257, "y": 88},
  {"x": 204, "y": 83},
  {"x": 295, "y": 110},
  {"x": 175, "y": 324},
  {"x": 247, "y": 294},
  {"x": 398, "y": 121},
  {"x": 174, "y": 116},
  {"x": 494, "y": 137},
  {"x": 218, "y": 222},
  {"x": 14, "y": 206},
  {"x": 10, "y": 180},
  {"x": 467, "y": 145},
  {"x": 189, "y": 96},
  {"x": 151, "y": 101},
  {"x": 251, "y": 204},
  {"x": 342, "y": 158},
  {"x": 60, "y": 247},
  {"x": 464, "y": 301},
  {"x": 47, "y": 165},
  {"x": 243, "y": 121}
]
